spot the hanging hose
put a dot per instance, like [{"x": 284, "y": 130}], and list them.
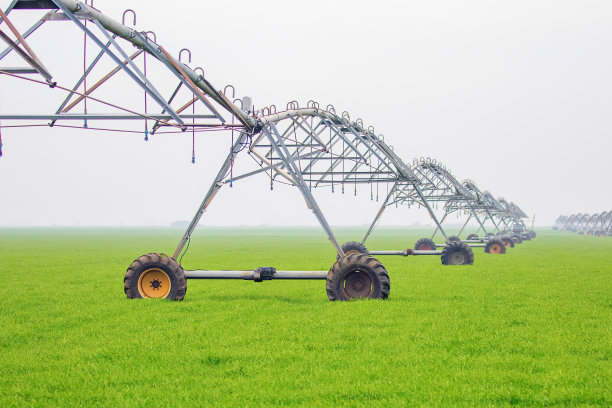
[
  {"x": 377, "y": 183},
  {"x": 85, "y": 72},
  {"x": 331, "y": 158},
  {"x": 271, "y": 170},
  {"x": 310, "y": 142},
  {"x": 145, "y": 100},
  {"x": 232, "y": 162},
  {"x": 193, "y": 132},
  {"x": 343, "y": 171}
]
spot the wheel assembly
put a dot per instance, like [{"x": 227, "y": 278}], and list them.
[
  {"x": 495, "y": 246},
  {"x": 472, "y": 236},
  {"x": 425, "y": 244},
  {"x": 453, "y": 238},
  {"x": 357, "y": 276},
  {"x": 508, "y": 242},
  {"x": 517, "y": 239},
  {"x": 457, "y": 253},
  {"x": 155, "y": 276},
  {"x": 353, "y": 247}
]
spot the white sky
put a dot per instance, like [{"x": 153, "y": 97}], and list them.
[{"x": 514, "y": 95}]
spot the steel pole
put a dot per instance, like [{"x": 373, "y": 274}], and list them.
[{"x": 213, "y": 190}]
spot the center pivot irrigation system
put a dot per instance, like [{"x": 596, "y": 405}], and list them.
[
  {"x": 596, "y": 224},
  {"x": 308, "y": 148}
]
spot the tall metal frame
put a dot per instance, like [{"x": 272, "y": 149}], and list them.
[
  {"x": 436, "y": 186},
  {"x": 313, "y": 148},
  {"x": 309, "y": 148},
  {"x": 111, "y": 37},
  {"x": 486, "y": 205},
  {"x": 596, "y": 224}
]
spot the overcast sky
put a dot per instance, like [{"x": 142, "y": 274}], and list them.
[{"x": 515, "y": 95}]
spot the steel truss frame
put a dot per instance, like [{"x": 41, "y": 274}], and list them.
[
  {"x": 311, "y": 148},
  {"x": 437, "y": 185},
  {"x": 486, "y": 205},
  {"x": 308, "y": 148},
  {"x": 445, "y": 188},
  {"x": 596, "y": 224},
  {"x": 560, "y": 223},
  {"x": 111, "y": 38},
  {"x": 512, "y": 217}
]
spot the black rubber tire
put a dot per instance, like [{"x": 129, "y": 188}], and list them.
[
  {"x": 354, "y": 265},
  {"x": 533, "y": 234},
  {"x": 508, "y": 242},
  {"x": 495, "y": 242},
  {"x": 517, "y": 239},
  {"x": 451, "y": 254},
  {"x": 472, "y": 236},
  {"x": 178, "y": 283},
  {"x": 425, "y": 242},
  {"x": 526, "y": 237},
  {"x": 453, "y": 238},
  {"x": 353, "y": 247}
]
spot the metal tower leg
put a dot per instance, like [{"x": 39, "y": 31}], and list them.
[
  {"x": 279, "y": 146},
  {"x": 493, "y": 221},
  {"x": 464, "y": 225},
  {"x": 214, "y": 188},
  {"x": 380, "y": 212},
  {"x": 431, "y": 213},
  {"x": 479, "y": 222},
  {"x": 438, "y": 223}
]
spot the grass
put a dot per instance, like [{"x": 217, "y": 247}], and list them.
[{"x": 529, "y": 328}]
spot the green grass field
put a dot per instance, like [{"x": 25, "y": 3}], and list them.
[{"x": 529, "y": 328}]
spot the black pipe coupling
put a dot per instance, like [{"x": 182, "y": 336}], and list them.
[{"x": 262, "y": 274}]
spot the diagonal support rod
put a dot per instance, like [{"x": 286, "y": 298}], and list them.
[
  {"x": 212, "y": 191},
  {"x": 33, "y": 63},
  {"x": 114, "y": 57},
  {"x": 80, "y": 81},
  {"x": 25, "y": 34},
  {"x": 140, "y": 79},
  {"x": 379, "y": 214},
  {"x": 277, "y": 142}
]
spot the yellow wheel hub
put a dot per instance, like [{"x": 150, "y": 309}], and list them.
[
  {"x": 495, "y": 249},
  {"x": 154, "y": 283}
]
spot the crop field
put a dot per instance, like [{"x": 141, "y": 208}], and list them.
[{"x": 529, "y": 328}]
